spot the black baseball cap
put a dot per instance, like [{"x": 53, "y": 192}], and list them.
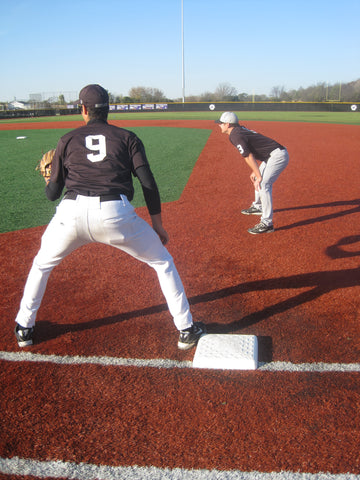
[{"x": 94, "y": 96}]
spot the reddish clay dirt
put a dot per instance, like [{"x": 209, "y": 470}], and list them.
[{"x": 296, "y": 289}]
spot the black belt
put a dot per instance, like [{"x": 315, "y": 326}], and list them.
[{"x": 103, "y": 198}]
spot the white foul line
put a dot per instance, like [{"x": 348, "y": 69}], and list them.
[
  {"x": 83, "y": 471},
  {"x": 168, "y": 363},
  {"x": 86, "y": 471}
]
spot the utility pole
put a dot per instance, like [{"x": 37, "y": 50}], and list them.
[{"x": 182, "y": 43}]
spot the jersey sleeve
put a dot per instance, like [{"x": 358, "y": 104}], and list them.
[
  {"x": 150, "y": 189},
  {"x": 239, "y": 141},
  {"x": 137, "y": 153},
  {"x": 143, "y": 172},
  {"x": 57, "y": 180}
]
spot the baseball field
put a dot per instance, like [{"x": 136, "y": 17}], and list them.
[{"x": 104, "y": 393}]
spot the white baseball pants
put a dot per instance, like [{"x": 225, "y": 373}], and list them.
[{"x": 87, "y": 219}]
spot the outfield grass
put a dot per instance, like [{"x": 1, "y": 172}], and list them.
[
  {"x": 172, "y": 153},
  {"x": 350, "y": 118}
]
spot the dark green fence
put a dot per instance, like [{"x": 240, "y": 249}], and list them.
[{"x": 197, "y": 107}]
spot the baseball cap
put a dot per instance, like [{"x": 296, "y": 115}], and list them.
[
  {"x": 228, "y": 117},
  {"x": 94, "y": 96}
]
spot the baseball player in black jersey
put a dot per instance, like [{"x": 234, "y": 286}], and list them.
[
  {"x": 273, "y": 158},
  {"x": 95, "y": 164}
]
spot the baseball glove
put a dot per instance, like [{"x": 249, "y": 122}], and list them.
[{"x": 44, "y": 164}]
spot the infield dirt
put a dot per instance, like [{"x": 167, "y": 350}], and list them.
[{"x": 296, "y": 289}]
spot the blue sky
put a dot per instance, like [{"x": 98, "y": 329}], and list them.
[{"x": 253, "y": 45}]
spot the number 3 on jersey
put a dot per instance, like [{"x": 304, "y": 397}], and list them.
[{"x": 96, "y": 143}]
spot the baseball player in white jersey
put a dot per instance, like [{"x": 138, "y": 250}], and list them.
[
  {"x": 95, "y": 163},
  {"x": 273, "y": 158}
]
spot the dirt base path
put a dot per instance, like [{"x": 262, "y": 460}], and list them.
[{"x": 297, "y": 289}]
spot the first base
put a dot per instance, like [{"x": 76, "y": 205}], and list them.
[{"x": 229, "y": 352}]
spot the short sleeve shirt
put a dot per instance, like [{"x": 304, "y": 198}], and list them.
[{"x": 248, "y": 141}]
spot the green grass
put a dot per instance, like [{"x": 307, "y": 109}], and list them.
[
  {"x": 350, "y": 118},
  {"x": 23, "y": 202},
  {"x": 172, "y": 153}
]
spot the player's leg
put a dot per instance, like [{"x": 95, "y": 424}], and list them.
[
  {"x": 257, "y": 202},
  {"x": 58, "y": 240},
  {"x": 256, "y": 207},
  {"x": 123, "y": 228},
  {"x": 277, "y": 162}
]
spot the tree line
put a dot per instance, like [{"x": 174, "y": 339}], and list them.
[{"x": 321, "y": 92}]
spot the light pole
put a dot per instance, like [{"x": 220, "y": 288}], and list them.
[{"x": 182, "y": 43}]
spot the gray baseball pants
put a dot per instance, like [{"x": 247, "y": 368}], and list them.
[{"x": 270, "y": 171}]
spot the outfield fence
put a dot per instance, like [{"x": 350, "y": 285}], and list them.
[{"x": 192, "y": 107}]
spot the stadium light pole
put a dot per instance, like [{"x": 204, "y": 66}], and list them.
[{"x": 182, "y": 43}]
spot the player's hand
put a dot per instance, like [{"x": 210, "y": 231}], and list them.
[
  {"x": 164, "y": 237},
  {"x": 257, "y": 184},
  {"x": 256, "y": 181},
  {"x": 159, "y": 229}
]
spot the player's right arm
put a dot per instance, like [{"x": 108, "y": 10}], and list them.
[
  {"x": 142, "y": 170},
  {"x": 255, "y": 176},
  {"x": 56, "y": 184},
  {"x": 152, "y": 199}
]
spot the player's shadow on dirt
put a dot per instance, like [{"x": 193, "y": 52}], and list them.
[
  {"x": 46, "y": 330},
  {"x": 316, "y": 283},
  {"x": 323, "y": 218},
  {"x": 338, "y": 250}
]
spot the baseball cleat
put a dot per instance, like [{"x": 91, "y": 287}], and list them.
[
  {"x": 24, "y": 336},
  {"x": 261, "y": 228},
  {"x": 189, "y": 337},
  {"x": 251, "y": 211}
]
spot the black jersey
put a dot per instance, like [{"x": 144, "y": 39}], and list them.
[
  {"x": 248, "y": 141},
  {"x": 98, "y": 159}
]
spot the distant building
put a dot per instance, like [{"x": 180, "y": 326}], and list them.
[{"x": 15, "y": 105}]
